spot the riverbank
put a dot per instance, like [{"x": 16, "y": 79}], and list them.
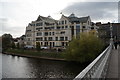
[{"x": 36, "y": 54}]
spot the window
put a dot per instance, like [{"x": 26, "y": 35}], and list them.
[
  {"x": 62, "y": 43},
  {"x": 32, "y": 24},
  {"x": 66, "y": 38},
  {"x": 63, "y": 32},
  {"x": 39, "y": 34},
  {"x": 28, "y": 35},
  {"x": 66, "y": 26},
  {"x": 28, "y": 39},
  {"x": 39, "y": 28},
  {"x": 39, "y": 24},
  {"x": 56, "y": 38},
  {"x": 45, "y": 38},
  {"x": 50, "y": 38},
  {"x": 77, "y": 28},
  {"x": 28, "y": 30},
  {"x": 62, "y": 27},
  {"x": 92, "y": 27},
  {"x": 83, "y": 26},
  {"x": 52, "y": 27},
  {"x": 48, "y": 28},
  {"x": 58, "y": 27},
  {"x": 62, "y": 22},
  {"x": 61, "y": 38},
  {"x": 41, "y": 43},
  {"x": 66, "y": 44},
  {"x": 53, "y": 33},
  {"x": 49, "y": 33},
  {"x": 39, "y": 39},
  {"x": 46, "y": 33}
]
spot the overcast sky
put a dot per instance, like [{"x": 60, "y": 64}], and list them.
[{"x": 16, "y": 14}]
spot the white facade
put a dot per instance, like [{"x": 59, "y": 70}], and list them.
[{"x": 56, "y": 33}]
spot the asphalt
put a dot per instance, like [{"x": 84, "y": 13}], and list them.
[{"x": 114, "y": 65}]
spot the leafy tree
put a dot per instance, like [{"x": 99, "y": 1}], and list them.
[
  {"x": 84, "y": 49},
  {"x": 22, "y": 45},
  {"x": 6, "y": 41},
  {"x": 13, "y": 45},
  {"x": 38, "y": 46},
  {"x": 18, "y": 45}
]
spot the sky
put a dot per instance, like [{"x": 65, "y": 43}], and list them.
[{"x": 16, "y": 14}]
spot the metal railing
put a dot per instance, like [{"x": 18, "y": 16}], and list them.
[{"x": 98, "y": 68}]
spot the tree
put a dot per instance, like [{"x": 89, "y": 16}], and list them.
[
  {"x": 38, "y": 46},
  {"x": 84, "y": 49},
  {"x": 18, "y": 45},
  {"x": 13, "y": 45},
  {"x": 22, "y": 45},
  {"x": 6, "y": 41}
]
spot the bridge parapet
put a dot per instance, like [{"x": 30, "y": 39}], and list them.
[{"x": 98, "y": 68}]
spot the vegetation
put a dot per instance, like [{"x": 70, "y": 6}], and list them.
[
  {"x": 18, "y": 45},
  {"x": 6, "y": 41},
  {"x": 42, "y": 53},
  {"x": 38, "y": 46},
  {"x": 84, "y": 49},
  {"x": 13, "y": 45}
]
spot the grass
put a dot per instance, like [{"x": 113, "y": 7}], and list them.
[{"x": 49, "y": 54}]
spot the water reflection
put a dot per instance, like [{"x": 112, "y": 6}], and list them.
[{"x": 21, "y": 67}]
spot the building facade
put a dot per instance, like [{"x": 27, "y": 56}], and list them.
[{"x": 56, "y": 33}]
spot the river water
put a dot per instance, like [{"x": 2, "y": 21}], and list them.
[{"x": 22, "y": 67}]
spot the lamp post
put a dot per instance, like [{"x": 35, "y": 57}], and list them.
[{"x": 111, "y": 34}]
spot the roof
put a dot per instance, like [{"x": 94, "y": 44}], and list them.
[
  {"x": 76, "y": 19},
  {"x": 40, "y": 18}
]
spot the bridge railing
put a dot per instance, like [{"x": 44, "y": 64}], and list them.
[{"x": 98, "y": 68}]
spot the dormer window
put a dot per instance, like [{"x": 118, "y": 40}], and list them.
[{"x": 62, "y": 22}]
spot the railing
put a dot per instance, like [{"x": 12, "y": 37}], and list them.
[{"x": 98, "y": 68}]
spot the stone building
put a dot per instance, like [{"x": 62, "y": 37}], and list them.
[{"x": 56, "y": 33}]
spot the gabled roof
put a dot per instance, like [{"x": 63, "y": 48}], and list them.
[
  {"x": 84, "y": 19},
  {"x": 76, "y": 19},
  {"x": 40, "y": 18},
  {"x": 72, "y": 18}
]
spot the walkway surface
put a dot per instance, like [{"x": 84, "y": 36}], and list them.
[{"x": 114, "y": 67}]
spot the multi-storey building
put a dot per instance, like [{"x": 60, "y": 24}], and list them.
[{"x": 56, "y": 33}]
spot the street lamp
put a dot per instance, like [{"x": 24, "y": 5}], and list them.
[{"x": 111, "y": 34}]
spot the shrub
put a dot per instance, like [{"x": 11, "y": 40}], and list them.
[
  {"x": 38, "y": 46},
  {"x": 84, "y": 49}
]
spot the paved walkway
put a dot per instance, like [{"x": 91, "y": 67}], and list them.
[{"x": 114, "y": 68}]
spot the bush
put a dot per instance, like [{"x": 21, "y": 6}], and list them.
[
  {"x": 38, "y": 46},
  {"x": 84, "y": 49}
]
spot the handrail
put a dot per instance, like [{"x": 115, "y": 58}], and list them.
[{"x": 97, "y": 67}]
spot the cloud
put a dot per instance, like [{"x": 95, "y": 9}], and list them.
[
  {"x": 98, "y": 11},
  {"x": 16, "y": 14},
  {"x": 6, "y": 27}
]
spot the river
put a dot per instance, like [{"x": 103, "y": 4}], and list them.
[{"x": 22, "y": 67}]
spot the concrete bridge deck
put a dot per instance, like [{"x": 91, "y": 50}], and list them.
[{"x": 114, "y": 65}]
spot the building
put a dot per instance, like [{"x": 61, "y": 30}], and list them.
[
  {"x": 104, "y": 31},
  {"x": 116, "y": 30},
  {"x": 20, "y": 41},
  {"x": 56, "y": 33}
]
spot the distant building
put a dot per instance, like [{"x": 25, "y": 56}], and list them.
[
  {"x": 116, "y": 31},
  {"x": 20, "y": 40},
  {"x": 56, "y": 33},
  {"x": 105, "y": 32}
]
